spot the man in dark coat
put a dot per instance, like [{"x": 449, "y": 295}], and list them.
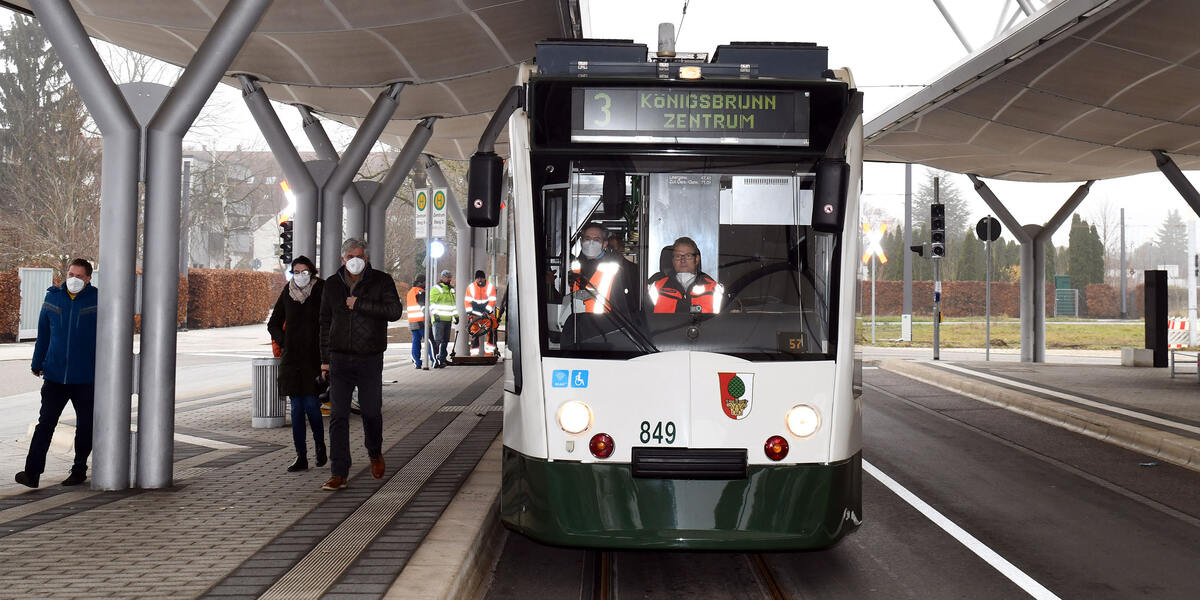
[
  {"x": 64, "y": 356},
  {"x": 356, "y": 306},
  {"x": 295, "y": 326}
]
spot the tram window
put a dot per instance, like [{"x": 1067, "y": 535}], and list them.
[{"x": 773, "y": 274}]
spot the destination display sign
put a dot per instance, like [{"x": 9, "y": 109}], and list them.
[{"x": 691, "y": 115}]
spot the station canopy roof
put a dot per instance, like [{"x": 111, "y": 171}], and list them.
[
  {"x": 335, "y": 56},
  {"x": 1085, "y": 89}
]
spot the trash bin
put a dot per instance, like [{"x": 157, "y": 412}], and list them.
[{"x": 267, "y": 405}]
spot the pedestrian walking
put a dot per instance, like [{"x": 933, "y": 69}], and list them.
[
  {"x": 64, "y": 356},
  {"x": 295, "y": 326},
  {"x": 443, "y": 309},
  {"x": 356, "y": 306},
  {"x": 416, "y": 316}
]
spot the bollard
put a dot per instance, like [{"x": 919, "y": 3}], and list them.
[{"x": 267, "y": 405}]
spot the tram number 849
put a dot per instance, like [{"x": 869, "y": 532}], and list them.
[{"x": 661, "y": 433}]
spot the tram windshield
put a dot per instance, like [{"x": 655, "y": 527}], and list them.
[{"x": 651, "y": 256}]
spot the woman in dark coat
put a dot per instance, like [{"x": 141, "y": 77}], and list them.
[{"x": 295, "y": 327}]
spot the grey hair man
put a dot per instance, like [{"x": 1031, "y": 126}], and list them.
[{"x": 356, "y": 306}]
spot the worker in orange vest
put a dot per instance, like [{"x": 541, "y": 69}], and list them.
[
  {"x": 479, "y": 301},
  {"x": 602, "y": 280},
  {"x": 684, "y": 288},
  {"x": 415, "y": 304}
]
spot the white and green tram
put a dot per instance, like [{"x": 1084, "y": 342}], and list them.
[{"x": 730, "y": 424}]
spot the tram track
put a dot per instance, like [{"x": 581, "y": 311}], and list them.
[{"x": 599, "y": 578}]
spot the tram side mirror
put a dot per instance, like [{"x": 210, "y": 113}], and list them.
[
  {"x": 829, "y": 196},
  {"x": 612, "y": 195},
  {"x": 483, "y": 189}
]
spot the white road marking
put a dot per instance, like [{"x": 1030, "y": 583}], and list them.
[
  {"x": 1007, "y": 569},
  {"x": 247, "y": 354},
  {"x": 199, "y": 441},
  {"x": 1076, "y": 399}
]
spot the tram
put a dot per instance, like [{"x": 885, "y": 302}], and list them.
[{"x": 694, "y": 384}]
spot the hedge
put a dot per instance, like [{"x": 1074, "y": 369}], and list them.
[
  {"x": 10, "y": 305},
  {"x": 959, "y": 298},
  {"x": 221, "y": 298}
]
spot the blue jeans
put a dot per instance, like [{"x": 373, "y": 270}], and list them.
[
  {"x": 418, "y": 335},
  {"x": 309, "y": 406}
]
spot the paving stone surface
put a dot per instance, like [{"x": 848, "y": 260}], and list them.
[{"x": 218, "y": 530}]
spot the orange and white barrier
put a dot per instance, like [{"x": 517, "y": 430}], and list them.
[{"x": 1177, "y": 332}]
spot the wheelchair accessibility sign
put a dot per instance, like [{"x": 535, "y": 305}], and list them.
[{"x": 562, "y": 378}]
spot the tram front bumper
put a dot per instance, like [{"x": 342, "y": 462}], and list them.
[{"x": 601, "y": 505}]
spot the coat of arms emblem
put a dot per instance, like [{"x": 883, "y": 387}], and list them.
[{"x": 737, "y": 394}]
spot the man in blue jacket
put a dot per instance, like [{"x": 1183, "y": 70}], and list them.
[{"x": 64, "y": 357}]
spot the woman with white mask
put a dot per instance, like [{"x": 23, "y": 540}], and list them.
[
  {"x": 295, "y": 327},
  {"x": 683, "y": 287}
]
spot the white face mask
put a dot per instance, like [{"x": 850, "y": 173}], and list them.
[
  {"x": 591, "y": 248},
  {"x": 356, "y": 265},
  {"x": 685, "y": 279},
  {"x": 75, "y": 284},
  {"x": 302, "y": 278}
]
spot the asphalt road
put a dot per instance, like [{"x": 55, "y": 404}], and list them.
[{"x": 1009, "y": 508}]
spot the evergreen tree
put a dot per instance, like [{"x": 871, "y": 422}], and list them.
[
  {"x": 957, "y": 210},
  {"x": 971, "y": 261},
  {"x": 1052, "y": 262},
  {"x": 1085, "y": 261},
  {"x": 49, "y": 184},
  {"x": 1171, "y": 241}
]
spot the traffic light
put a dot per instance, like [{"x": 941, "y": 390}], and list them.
[
  {"x": 937, "y": 230},
  {"x": 285, "y": 242}
]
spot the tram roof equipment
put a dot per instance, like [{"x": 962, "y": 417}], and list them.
[
  {"x": 457, "y": 58},
  {"x": 1085, "y": 89}
]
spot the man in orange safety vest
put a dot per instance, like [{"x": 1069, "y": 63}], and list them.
[
  {"x": 684, "y": 288},
  {"x": 479, "y": 300}
]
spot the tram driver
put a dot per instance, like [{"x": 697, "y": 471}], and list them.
[{"x": 683, "y": 287}]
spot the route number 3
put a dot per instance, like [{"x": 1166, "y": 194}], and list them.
[
  {"x": 604, "y": 108},
  {"x": 660, "y": 433}
]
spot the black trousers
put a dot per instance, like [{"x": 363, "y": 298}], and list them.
[
  {"x": 346, "y": 372},
  {"x": 54, "y": 399}
]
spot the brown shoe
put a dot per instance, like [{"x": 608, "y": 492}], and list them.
[
  {"x": 377, "y": 467},
  {"x": 335, "y": 483}
]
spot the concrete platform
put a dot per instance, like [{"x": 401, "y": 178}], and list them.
[
  {"x": 236, "y": 524},
  {"x": 1144, "y": 410}
]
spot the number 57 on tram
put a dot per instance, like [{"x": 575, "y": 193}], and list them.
[{"x": 681, "y": 297}]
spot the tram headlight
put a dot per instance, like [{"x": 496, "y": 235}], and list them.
[
  {"x": 574, "y": 417},
  {"x": 803, "y": 420}
]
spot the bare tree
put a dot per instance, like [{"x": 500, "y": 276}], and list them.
[
  {"x": 49, "y": 189},
  {"x": 1106, "y": 217},
  {"x": 229, "y": 199}
]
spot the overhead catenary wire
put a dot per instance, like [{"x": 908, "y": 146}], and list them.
[{"x": 682, "y": 16}]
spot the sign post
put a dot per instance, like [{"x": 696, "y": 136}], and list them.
[
  {"x": 424, "y": 224},
  {"x": 874, "y": 249},
  {"x": 421, "y": 216},
  {"x": 439, "y": 213},
  {"x": 988, "y": 230}
]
